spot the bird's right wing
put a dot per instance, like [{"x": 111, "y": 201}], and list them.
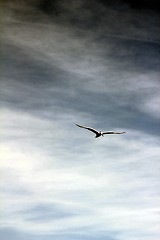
[
  {"x": 88, "y": 128},
  {"x": 109, "y": 132}
]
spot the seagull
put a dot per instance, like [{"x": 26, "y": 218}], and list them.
[{"x": 98, "y": 133}]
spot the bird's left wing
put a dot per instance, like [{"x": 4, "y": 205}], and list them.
[
  {"x": 88, "y": 128},
  {"x": 109, "y": 132}
]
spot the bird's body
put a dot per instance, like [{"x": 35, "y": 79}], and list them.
[{"x": 98, "y": 133}]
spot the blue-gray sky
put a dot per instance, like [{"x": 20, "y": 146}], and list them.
[{"x": 92, "y": 63}]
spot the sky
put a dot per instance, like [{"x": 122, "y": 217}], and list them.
[{"x": 95, "y": 64}]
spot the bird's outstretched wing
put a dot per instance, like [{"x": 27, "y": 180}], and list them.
[
  {"x": 88, "y": 128},
  {"x": 109, "y": 132}
]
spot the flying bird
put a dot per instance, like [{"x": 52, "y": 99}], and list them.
[{"x": 98, "y": 133}]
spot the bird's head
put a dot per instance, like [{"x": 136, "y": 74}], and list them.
[{"x": 101, "y": 133}]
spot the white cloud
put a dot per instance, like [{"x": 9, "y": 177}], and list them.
[{"x": 112, "y": 182}]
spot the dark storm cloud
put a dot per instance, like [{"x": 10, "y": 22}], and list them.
[
  {"x": 31, "y": 89},
  {"x": 144, "y": 4},
  {"x": 85, "y": 14},
  {"x": 100, "y": 16},
  {"x": 40, "y": 86},
  {"x": 51, "y": 7}
]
